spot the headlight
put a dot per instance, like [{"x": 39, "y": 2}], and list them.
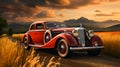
[
  {"x": 75, "y": 33},
  {"x": 91, "y": 33}
]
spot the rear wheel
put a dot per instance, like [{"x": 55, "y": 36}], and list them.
[
  {"x": 26, "y": 43},
  {"x": 63, "y": 48}
]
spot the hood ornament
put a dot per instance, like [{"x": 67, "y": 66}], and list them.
[{"x": 80, "y": 24}]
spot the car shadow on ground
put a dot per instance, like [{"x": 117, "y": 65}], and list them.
[{"x": 52, "y": 52}]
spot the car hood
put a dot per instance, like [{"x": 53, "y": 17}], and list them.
[{"x": 63, "y": 29}]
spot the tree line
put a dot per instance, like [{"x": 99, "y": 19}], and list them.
[{"x": 3, "y": 24}]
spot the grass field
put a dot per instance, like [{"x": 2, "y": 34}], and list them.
[
  {"x": 17, "y": 36},
  {"x": 13, "y": 55},
  {"x": 111, "y": 41}
]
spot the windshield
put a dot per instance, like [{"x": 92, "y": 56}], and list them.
[{"x": 55, "y": 25}]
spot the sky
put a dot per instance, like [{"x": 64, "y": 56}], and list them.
[{"x": 59, "y": 10}]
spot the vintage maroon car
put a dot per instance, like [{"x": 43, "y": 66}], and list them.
[{"x": 49, "y": 35}]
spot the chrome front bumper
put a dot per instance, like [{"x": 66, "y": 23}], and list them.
[{"x": 86, "y": 48}]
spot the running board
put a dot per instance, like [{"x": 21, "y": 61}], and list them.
[
  {"x": 86, "y": 48},
  {"x": 36, "y": 45}
]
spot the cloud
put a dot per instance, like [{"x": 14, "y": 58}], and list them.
[
  {"x": 62, "y": 4},
  {"x": 69, "y": 4},
  {"x": 58, "y": 2},
  {"x": 11, "y": 9},
  {"x": 61, "y": 15},
  {"x": 24, "y": 19},
  {"x": 115, "y": 13},
  {"x": 100, "y": 13},
  {"x": 97, "y": 10},
  {"x": 46, "y": 14},
  {"x": 105, "y": 14},
  {"x": 113, "y": 0},
  {"x": 27, "y": 17}
]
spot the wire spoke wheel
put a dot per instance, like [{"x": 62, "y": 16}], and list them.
[{"x": 63, "y": 48}]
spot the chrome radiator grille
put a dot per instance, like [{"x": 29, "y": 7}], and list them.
[{"x": 81, "y": 37}]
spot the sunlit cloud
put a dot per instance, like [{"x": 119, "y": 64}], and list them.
[
  {"x": 106, "y": 14},
  {"x": 61, "y": 15},
  {"x": 24, "y": 19},
  {"x": 97, "y": 10},
  {"x": 46, "y": 14}
]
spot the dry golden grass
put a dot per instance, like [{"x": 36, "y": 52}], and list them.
[
  {"x": 13, "y": 55},
  {"x": 111, "y": 41},
  {"x": 17, "y": 36}
]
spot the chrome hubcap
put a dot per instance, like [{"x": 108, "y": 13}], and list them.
[
  {"x": 96, "y": 43},
  {"x": 62, "y": 46}
]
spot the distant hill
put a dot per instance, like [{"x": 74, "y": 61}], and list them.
[
  {"x": 75, "y": 23},
  {"x": 19, "y": 27},
  {"x": 109, "y": 23},
  {"x": 90, "y": 24},
  {"x": 113, "y": 28}
]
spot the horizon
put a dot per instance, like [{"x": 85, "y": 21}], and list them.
[{"x": 67, "y": 20}]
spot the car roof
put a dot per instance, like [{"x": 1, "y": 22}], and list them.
[
  {"x": 38, "y": 22},
  {"x": 43, "y": 22}
]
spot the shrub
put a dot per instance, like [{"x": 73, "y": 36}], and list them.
[{"x": 10, "y": 32}]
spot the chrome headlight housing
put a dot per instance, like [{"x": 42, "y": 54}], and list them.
[
  {"x": 91, "y": 33},
  {"x": 75, "y": 32}
]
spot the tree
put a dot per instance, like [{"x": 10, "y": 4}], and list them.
[
  {"x": 3, "y": 23},
  {"x": 10, "y": 32}
]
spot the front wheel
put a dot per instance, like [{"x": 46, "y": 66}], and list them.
[
  {"x": 95, "y": 42},
  {"x": 63, "y": 48}
]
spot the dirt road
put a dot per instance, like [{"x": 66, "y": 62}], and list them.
[{"x": 79, "y": 59}]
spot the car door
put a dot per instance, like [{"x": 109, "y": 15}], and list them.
[{"x": 37, "y": 33}]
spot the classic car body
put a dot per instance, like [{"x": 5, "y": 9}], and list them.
[{"x": 48, "y": 35}]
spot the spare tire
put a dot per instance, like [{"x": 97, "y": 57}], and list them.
[{"x": 47, "y": 36}]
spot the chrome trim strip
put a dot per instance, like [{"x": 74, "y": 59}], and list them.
[
  {"x": 37, "y": 30},
  {"x": 86, "y": 48}
]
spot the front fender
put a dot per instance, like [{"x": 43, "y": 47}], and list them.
[
  {"x": 96, "y": 38},
  {"x": 68, "y": 37}
]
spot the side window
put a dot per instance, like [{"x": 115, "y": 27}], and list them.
[
  {"x": 39, "y": 26},
  {"x": 32, "y": 27}
]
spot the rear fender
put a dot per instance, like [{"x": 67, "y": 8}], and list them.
[
  {"x": 27, "y": 35},
  {"x": 22, "y": 40}
]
